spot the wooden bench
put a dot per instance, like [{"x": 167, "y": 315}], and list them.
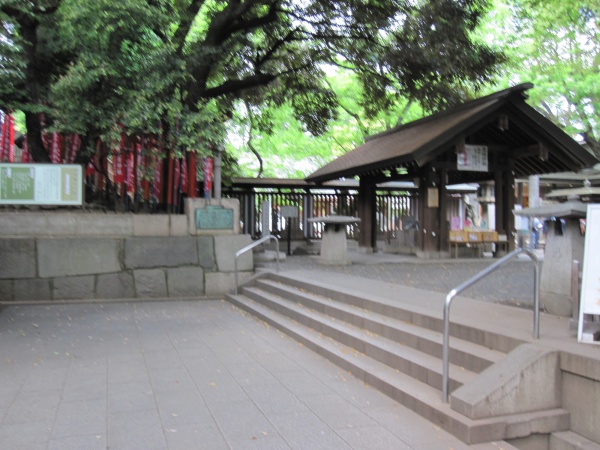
[{"x": 477, "y": 244}]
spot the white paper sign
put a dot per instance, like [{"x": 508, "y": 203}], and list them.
[{"x": 474, "y": 158}]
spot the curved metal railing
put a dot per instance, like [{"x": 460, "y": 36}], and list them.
[
  {"x": 250, "y": 247},
  {"x": 471, "y": 281}
]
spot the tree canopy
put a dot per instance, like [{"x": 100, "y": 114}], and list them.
[
  {"x": 86, "y": 66},
  {"x": 556, "y": 46}
]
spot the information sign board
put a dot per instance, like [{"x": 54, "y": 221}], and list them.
[
  {"x": 214, "y": 218},
  {"x": 41, "y": 184},
  {"x": 473, "y": 158}
]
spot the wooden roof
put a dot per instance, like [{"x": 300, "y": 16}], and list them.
[{"x": 512, "y": 130}]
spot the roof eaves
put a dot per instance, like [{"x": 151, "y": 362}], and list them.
[
  {"x": 554, "y": 134},
  {"x": 506, "y": 93}
]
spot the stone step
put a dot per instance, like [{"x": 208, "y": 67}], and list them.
[
  {"x": 407, "y": 360},
  {"x": 420, "y": 316},
  {"x": 465, "y": 354},
  {"x": 568, "y": 440},
  {"x": 412, "y": 393}
]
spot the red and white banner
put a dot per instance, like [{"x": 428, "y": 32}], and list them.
[
  {"x": 119, "y": 170},
  {"x": 55, "y": 149},
  {"x": 184, "y": 173},
  {"x": 3, "y": 135},
  {"x": 129, "y": 171},
  {"x": 7, "y": 140},
  {"x": 207, "y": 168},
  {"x": 74, "y": 147}
]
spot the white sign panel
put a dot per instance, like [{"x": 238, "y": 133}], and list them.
[
  {"x": 590, "y": 286},
  {"x": 473, "y": 158},
  {"x": 41, "y": 184}
]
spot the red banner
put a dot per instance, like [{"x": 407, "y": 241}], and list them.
[
  {"x": 74, "y": 147},
  {"x": 129, "y": 171},
  {"x": 207, "y": 167},
  {"x": 8, "y": 139},
  {"x": 184, "y": 173},
  {"x": 156, "y": 182},
  {"x": 192, "y": 168},
  {"x": 55, "y": 149},
  {"x": 119, "y": 172},
  {"x": 138, "y": 163},
  {"x": 11, "y": 138},
  {"x": 176, "y": 176},
  {"x": 3, "y": 136}
]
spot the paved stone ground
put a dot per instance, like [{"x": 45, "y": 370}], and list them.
[
  {"x": 203, "y": 375},
  {"x": 183, "y": 375}
]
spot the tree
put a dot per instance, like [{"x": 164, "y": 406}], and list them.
[
  {"x": 197, "y": 59},
  {"x": 556, "y": 46},
  {"x": 276, "y": 137},
  {"x": 30, "y": 61}
]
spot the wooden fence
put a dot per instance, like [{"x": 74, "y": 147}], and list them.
[{"x": 393, "y": 208}]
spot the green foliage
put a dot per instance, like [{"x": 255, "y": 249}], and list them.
[
  {"x": 289, "y": 150},
  {"x": 556, "y": 46},
  {"x": 138, "y": 62}
]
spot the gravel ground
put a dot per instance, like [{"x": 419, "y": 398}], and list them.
[{"x": 510, "y": 284}]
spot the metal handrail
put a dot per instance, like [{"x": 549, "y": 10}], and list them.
[
  {"x": 250, "y": 247},
  {"x": 471, "y": 281}
]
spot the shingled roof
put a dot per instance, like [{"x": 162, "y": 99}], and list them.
[{"x": 502, "y": 121}]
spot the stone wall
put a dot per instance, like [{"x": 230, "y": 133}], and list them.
[{"x": 53, "y": 256}]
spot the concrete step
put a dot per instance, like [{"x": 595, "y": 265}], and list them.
[
  {"x": 407, "y": 360},
  {"x": 464, "y": 354},
  {"x": 568, "y": 440},
  {"x": 413, "y": 393},
  {"x": 420, "y": 316}
]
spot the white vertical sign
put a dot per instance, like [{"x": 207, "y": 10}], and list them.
[
  {"x": 590, "y": 286},
  {"x": 473, "y": 158}
]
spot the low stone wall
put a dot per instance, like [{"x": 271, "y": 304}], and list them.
[
  {"x": 581, "y": 393},
  {"x": 51, "y": 256}
]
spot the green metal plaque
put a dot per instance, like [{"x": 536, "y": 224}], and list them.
[{"x": 214, "y": 218}]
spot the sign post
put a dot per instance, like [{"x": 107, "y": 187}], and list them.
[{"x": 289, "y": 212}]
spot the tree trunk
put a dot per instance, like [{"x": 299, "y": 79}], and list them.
[{"x": 35, "y": 145}]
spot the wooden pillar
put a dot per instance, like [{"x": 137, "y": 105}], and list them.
[
  {"x": 429, "y": 197},
  {"x": 509, "y": 206},
  {"x": 367, "y": 209},
  {"x": 444, "y": 228},
  {"x": 499, "y": 193}
]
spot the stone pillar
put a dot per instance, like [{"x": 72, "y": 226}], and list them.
[
  {"x": 559, "y": 253},
  {"x": 217, "y": 175}
]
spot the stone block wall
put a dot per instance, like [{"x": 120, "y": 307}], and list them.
[{"x": 81, "y": 256}]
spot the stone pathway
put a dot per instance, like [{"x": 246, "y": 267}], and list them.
[{"x": 183, "y": 375}]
